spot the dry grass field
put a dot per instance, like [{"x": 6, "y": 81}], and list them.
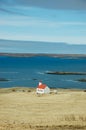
[{"x": 22, "y": 109}]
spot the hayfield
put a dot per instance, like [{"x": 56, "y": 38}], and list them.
[{"x": 24, "y": 110}]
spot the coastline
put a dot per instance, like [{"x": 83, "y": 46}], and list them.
[
  {"x": 33, "y": 89},
  {"x": 21, "y": 108},
  {"x": 44, "y": 54}
]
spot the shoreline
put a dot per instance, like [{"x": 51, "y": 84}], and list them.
[
  {"x": 33, "y": 89},
  {"x": 44, "y": 54}
]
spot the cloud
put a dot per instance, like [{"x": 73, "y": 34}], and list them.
[
  {"x": 55, "y": 4},
  {"x": 5, "y": 7},
  {"x": 48, "y": 4},
  {"x": 9, "y": 6},
  {"x": 45, "y": 38},
  {"x": 6, "y": 11},
  {"x": 7, "y": 2},
  {"x": 12, "y": 12},
  {"x": 36, "y": 22}
]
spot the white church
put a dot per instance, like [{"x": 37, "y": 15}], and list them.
[{"x": 42, "y": 89}]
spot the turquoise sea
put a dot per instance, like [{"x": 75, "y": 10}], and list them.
[{"x": 28, "y": 71}]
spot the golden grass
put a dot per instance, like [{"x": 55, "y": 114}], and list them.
[{"x": 24, "y": 110}]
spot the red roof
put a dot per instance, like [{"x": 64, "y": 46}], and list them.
[{"x": 42, "y": 86}]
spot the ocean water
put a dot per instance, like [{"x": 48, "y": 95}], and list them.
[{"x": 28, "y": 71}]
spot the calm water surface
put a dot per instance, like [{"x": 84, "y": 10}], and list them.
[{"x": 28, "y": 71}]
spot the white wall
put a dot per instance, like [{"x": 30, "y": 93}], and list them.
[{"x": 41, "y": 91}]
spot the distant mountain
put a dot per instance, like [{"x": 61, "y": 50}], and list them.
[{"x": 10, "y": 46}]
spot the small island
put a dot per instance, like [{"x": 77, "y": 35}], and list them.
[
  {"x": 65, "y": 73},
  {"x": 3, "y": 79},
  {"x": 82, "y": 80}
]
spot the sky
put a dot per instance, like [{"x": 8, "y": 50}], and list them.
[{"x": 43, "y": 20}]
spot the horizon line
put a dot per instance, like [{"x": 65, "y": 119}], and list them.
[{"x": 56, "y": 42}]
